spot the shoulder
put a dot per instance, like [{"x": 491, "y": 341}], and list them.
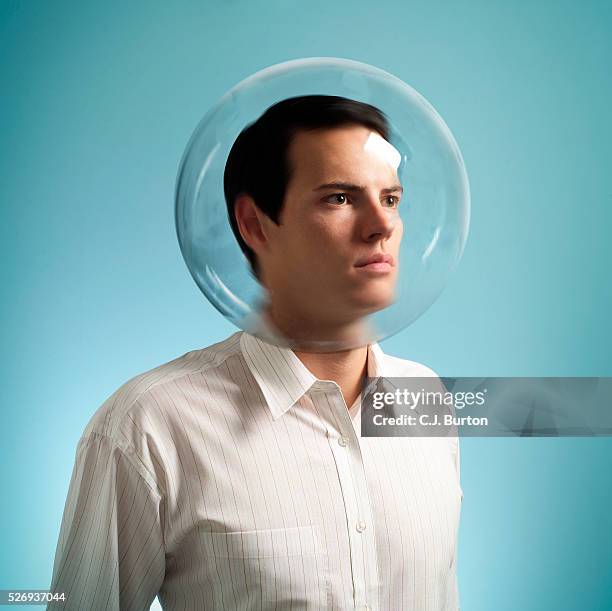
[
  {"x": 126, "y": 409},
  {"x": 399, "y": 367}
]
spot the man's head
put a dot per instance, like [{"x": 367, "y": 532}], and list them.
[{"x": 312, "y": 191}]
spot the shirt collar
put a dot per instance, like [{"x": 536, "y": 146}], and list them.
[{"x": 283, "y": 378}]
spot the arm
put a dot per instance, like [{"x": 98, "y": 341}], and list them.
[{"x": 110, "y": 554}]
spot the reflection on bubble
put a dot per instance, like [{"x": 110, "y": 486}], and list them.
[{"x": 322, "y": 204}]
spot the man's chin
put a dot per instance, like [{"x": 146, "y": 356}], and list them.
[{"x": 370, "y": 304}]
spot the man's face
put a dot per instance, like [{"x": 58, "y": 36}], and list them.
[{"x": 340, "y": 209}]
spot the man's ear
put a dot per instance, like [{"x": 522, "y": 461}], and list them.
[{"x": 250, "y": 223}]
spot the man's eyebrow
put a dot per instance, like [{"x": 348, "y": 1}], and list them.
[
  {"x": 347, "y": 186},
  {"x": 394, "y": 189}
]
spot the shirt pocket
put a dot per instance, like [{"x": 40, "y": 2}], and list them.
[{"x": 284, "y": 567}]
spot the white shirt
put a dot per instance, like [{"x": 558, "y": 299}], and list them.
[{"x": 232, "y": 478}]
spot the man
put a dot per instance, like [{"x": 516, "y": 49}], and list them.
[{"x": 235, "y": 477}]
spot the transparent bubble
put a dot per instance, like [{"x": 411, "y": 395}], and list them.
[{"x": 433, "y": 216}]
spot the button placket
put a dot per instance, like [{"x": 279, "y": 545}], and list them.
[{"x": 349, "y": 461}]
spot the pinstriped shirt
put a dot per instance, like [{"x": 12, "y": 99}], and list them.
[{"x": 233, "y": 478}]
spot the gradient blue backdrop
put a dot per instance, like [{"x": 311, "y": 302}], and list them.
[{"x": 98, "y": 101}]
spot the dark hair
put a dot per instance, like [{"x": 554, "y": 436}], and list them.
[{"x": 258, "y": 163}]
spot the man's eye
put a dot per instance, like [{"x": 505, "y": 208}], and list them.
[
  {"x": 337, "y": 198},
  {"x": 392, "y": 201}
]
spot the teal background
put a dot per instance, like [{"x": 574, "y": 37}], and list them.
[{"x": 98, "y": 101}]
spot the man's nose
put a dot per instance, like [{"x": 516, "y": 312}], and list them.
[{"x": 378, "y": 221}]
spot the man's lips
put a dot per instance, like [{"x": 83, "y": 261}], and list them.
[
  {"x": 377, "y": 263},
  {"x": 381, "y": 259}
]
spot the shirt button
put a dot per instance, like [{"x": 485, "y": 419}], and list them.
[
  {"x": 361, "y": 526},
  {"x": 342, "y": 441}
]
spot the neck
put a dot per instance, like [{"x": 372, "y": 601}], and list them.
[{"x": 304, "y": 334}]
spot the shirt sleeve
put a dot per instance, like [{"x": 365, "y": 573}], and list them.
[{"x": 110, "y": 553}]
